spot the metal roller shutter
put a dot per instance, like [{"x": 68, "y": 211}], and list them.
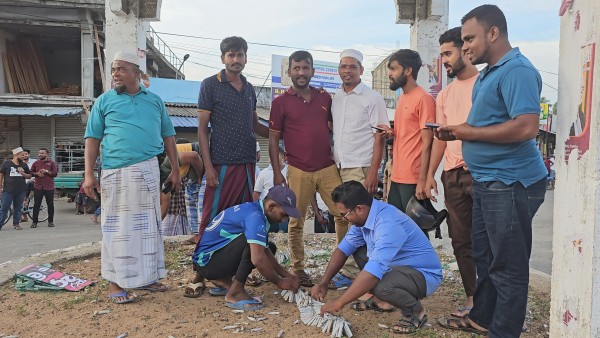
[
  {"x": 264, "y": 152},
  {"x": 36, "y": 133}
]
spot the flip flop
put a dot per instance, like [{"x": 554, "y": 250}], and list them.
[
  {"x": 217, "y": 291},
  {"x": 195, "y": 290},
  {"x": 122, "y": 294},
  {"x": 246, "y": 305},
  {"x": 411, "y": 323},
  {"x": 461, "y": 324},
  {"x": 339, "y": 281},
  {"x": 369, "y": 304},
  {"x": 462, "y": 309},
  {"x": 161, "y": 288}
]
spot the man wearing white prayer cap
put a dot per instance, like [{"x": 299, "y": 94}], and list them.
[
  {"x": 358, "y": 148},
  {"x": 13, "y": 174},
  {"x": 133, "y": 125}
]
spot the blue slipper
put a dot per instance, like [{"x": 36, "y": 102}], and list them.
[
  {"x": 122, "y": 294},
  {"x": 217, "y": 291},
  {"x": 339, "y": 281},
  {"x": 246, "y": 305}
]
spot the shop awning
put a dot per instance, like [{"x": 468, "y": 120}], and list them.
[
  {"x": 184, "y": 122},
  {"x": 39, "y": 111}
]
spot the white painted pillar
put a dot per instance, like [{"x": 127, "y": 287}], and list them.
[
  {"x": 124, "y": 31},
  {"x": 87, "y": 54},
  {"x": 431, "y": 21},
  {"x": 575, "y": 305}
]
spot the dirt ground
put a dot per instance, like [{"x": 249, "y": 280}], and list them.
[{"x": 89, "y": 313}]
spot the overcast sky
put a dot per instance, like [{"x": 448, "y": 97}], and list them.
[{"x": 334, "y": 25}]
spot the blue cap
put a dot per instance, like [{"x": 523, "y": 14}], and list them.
[{"x": 286, "y": 198}]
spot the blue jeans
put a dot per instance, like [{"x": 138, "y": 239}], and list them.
[
  {"x": 501, "y": 239},
  {"x": 16, "y": 200}
]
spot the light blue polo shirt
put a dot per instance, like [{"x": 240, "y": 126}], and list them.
[
  {"x": 502, "y": 92},
  {"x": 131, "y": 127}
]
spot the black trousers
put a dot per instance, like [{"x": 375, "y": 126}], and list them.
[
  {"x": 232, "y": 260},
  {"x": 37, "y": 202},
  {"x": 402, "y": 286}
]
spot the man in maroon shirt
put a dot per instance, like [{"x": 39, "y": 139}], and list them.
[
  {"x": 44, "y": 170},
  {"x": 301, "y": 116}
]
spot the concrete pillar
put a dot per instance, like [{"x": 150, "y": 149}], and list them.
[
  {"x": 575, "y": 305},
  {"x": 126, "y": 29},
  {"x": 431, "y": 21},
  {"x": 87, "y": 54}
]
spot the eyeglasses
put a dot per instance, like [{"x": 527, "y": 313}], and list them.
[{"x": 348, "y": 213}]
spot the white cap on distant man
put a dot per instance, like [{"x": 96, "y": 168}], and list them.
[
  {"x": 17, "y": 150},
  {"x": 130, "y": 57},
  {"x": 353, "y": 53}
]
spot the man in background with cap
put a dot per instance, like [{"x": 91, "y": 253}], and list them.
[
  {"x": 13, "y": 174},
  {"x": 237, "y": 241},
  {"x": 134, "y": 127}
]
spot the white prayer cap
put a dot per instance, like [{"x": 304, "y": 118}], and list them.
[
  {"x": 17, "y": 150},
  {"x": 127, "y": 56},
  {"x": 353, "y": 53},
  {"x": 257, "y": 147}
]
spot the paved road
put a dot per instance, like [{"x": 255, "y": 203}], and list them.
[
  {"x": 69, "y": 230},
  {"x": 74, "y": 229}
]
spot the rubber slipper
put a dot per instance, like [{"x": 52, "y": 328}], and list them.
[
  {"x": 246, "y": 305},
  {"x": 217, "y": 291},
  {"x": 461, "y": 324},
  {"x": 462, "y": 309},
  {"x": 339, "y": 281},
  {"x": 411, "y": 323},
  {"x": 123, "y": 294},
  {"x": 194, "y": 290},
  {"x": 161, "y": 288},
  {"x": 369, "y": 304}
]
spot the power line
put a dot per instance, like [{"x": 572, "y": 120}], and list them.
[
  {"x": 261, "y": 44},
  {"x": 549, "y": 86},
  {"x": 545, "y": 71}
]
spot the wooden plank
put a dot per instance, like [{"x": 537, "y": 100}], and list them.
[
  {"x": 40, "y": 66},
  {"x": 100, "y": 60},
  {"x": 8, "y": 73}
]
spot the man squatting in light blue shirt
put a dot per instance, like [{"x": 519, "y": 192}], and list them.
[{"x": 398, "y": 264}]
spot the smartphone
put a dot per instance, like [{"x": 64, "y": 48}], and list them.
[
  {"x": 432, "y": 125},
  {"x": 378, "y": 129},
  {"x": 167, "y": 187}
]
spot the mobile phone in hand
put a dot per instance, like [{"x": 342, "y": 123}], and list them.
[
  {"x": 432, "y": 125},
  {"x": 167, "y": 188},
  {"x": 378, "y": 129}
]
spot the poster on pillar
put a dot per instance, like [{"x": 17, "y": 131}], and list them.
[{"x": 579, "y": 134}]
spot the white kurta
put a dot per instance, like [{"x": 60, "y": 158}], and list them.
[{"x": 132, "y": 243}]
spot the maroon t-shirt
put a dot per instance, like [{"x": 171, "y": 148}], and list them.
[{"x": 304, "y": 128}]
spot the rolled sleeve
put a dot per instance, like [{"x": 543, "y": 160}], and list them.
[
  {"x": 352, "y": 241},
  {"x": 521, "y": 91},
  {"x": 389, "y": 240}
]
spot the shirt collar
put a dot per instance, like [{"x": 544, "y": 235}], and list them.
[
  {"x": 291, "y": 90},
  {"x": 375, "y": 207},
  {"x": 142, "y": 90},
  {"x": 358, "y": 89},
  {"x": 507, "y": 57},
  {"x": 222, "y": 77}
]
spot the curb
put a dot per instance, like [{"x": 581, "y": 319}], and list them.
[{"x": 81, "y": 251}]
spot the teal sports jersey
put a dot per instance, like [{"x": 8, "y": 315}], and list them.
[{"x": 248, "y": 219}]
